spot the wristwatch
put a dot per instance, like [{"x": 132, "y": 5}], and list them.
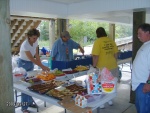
[{"x": 148, "y": 82}]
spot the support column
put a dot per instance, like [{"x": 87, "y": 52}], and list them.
[
  {"x": 138, "y": 18},
  {"x": 51, "y": 33},
  {"x": 67, "y": 25},
  {"x": 6, "y": 84},
  {"x": 61, "y": 26},
  {"x": 112, "y": 31}
]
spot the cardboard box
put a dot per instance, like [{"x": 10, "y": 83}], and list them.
[
  {"x": 80, "y": 101},
  {"x": 69, "y": 104}
]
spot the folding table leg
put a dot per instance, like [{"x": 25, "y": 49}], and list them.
[
  {"x": 65, "y": 111},
  {"x": 16, "y": 98},
  {"x": 36, "y": 105},
  {"x": 98, "y": 110},
  {"x": 16, "y": 95},
  {"x": 44, "y": 104}
]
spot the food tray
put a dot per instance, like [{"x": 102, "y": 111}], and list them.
[
  {"x": 45, "y": 87},
  {"x": 31, "y": 81},
  {"x": 30, "y": 84},
  {"x": 76, "y": 89},
  {"x": 64, "y": 91},
  {"x": 42, "y": 88},
  {"x": 59, "y": 94}
]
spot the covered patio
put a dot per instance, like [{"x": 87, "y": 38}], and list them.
[{"x": 131, "y": 12}]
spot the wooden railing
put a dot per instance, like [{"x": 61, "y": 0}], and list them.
[{"x": 125, "y": 46}]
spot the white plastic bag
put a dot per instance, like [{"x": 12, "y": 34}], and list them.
[
  {"x": 106, "y": 75},
  {"x": 91, "y": 70},
  {"x": 14, "y": 62},
  {"x": 18, "y": 73},
  {"x": 108, "y": 81}
]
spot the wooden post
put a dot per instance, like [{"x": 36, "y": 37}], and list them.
[
  {"x": 112, "y": 31},
  {"x": 61, "y": 26},
  {"x": 138, "y": 18},
  {"x": 6, "y": 84},
  {"x": 52, "y": 32}
]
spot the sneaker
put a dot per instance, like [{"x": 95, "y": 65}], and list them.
[
  {"x": 119, "y": 80},
  {"x": 102, "y": 106},
  {"x": 25, "y": 111},
  {"x": 110, "y": 103}
]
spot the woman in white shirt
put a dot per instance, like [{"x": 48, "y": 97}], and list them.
[{"x": 28, "y": 57}]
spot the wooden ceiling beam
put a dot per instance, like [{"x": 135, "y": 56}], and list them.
[{"x": 28, "y": 17}]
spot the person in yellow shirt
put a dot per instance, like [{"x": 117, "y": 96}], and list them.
[{"x": 104, "y": 54}]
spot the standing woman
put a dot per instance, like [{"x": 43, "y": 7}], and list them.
[
  {"x": 28, "y": 57},
  {"x": 105, "y": 53}
]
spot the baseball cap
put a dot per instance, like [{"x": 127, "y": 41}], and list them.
[{"x": 66, "y": 34}]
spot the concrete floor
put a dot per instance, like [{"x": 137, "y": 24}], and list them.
[{"x": 120, "y": 103}]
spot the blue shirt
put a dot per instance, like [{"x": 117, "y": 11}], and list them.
[{"x": 63, "y": 51}]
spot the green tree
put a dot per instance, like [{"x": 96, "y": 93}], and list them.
[
  {"x": 44, "y": 30},
  {"x": 123, "y": 31},
  {"x": 79, "y": 29}
]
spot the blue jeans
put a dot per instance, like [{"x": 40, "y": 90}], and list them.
[
  {"x": 27, "y": 65},
  {"x": 142, "y": 100},
  {"x": 26, "y": 100}
]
